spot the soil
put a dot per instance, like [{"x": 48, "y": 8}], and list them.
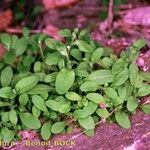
[{"x": 108, "y": 137}]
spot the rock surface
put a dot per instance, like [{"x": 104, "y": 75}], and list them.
[{"x": 108, "y": 137}]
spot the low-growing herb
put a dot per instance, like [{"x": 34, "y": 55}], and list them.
[{"x": 43, "y": 82}]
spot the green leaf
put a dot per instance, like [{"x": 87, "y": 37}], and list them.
[
  {"x": 23, "y": 99},
  {"x": 102, "y": 113},
  {"x": 6, "y": 39},
  {"x": 64, "y": 81},
  {"x": 79, "y": 113},
  {"x": 40, "y": 75},
  {"x": 90, "y": 133},
  {"x": 53, "y": 58},
  {"x": 57, "y": 127},
  {"x": 52, "y": 115},
  {"x": 107, "y": 51},
  {"x": 129, "y": 89},
  {"x": 65, "y": 33},
  {"x": 64, "y": 108},
  {"x": 5, "y": 104},
  {"x": 85, "y": 102},
  {"x": 51, "y": 43},
  {"x": 90, "y": 108},
  {"x": 145, "y": 75},
  {"x": 40, "y": 88},
  {"x": 21, "y": 46},
  {"x": 111, "y": 93},
  {"x": 95, "y": 97},
  {"x": 6, "y": 76},
  {"x": 118, "y": 101},
  {"x": 46, "y": 131},
  {"x": 139, "y": 44},
  {"x": 73, "y": 96},
  {"x": 53, "y": 104},
  {"x": 36, "y": 112},
  {"x": 28, "y": 60},
  {"x": 86, "y": 111},
  {"x": 25, "y": 32},
  {"x": 101, "y": 76},
  {"x": 123, "y": 119},
  {"x": 87, "y": 123},
  {"x": 9, "y": 57},
  {"x": 61, "y": 63},
  {"x": 26, "y": 84},
  {"x": 44, "y": 95},
  {"x": 83, "y": 66},
  {"x": 84, "y": 46},
  {"x": 81, "y": 73},
  {"x": 118, "y": 66},
  {"x": 5, "y": 117},
  {"x": 133, "y": 74},
  {"x": 37, "y": 66},
  {"x": 30, "y": 121},
  {"x": 50, "y": 77},
  {"x": 18, "y": 77},
  {"x": 5, "y": 92},
  {"x": 14, "y": 40},
  {"x": 7, "y": 134},
  {"x": 76, "y": 53},
  {"x": 143, "y": 91},
  {"x": 146, "y": 108},
  {"x": 1, "y": 65},
  {"x": 106, "y": 62},
  {"x": 132, "y": 103},
  {"x": 89, "y": 86},
  {"x": 121, "y": 77},
  {"x": 42, "y": 37},
  {"x": 38, "y": 101},
  {"x": 13, "y": 117},
  {"x": 96, "y": 55},
  {"x": 122, "y": 92}
]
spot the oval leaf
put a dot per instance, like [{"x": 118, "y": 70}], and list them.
[
  {"x": 89, "y": 86},
  {"x": 6, "y": 76},
  {"x": 143, "y": 91},
  {"x": 95, "y": 97},
  {"x": 20, "y": 46},
  {"x": 132, "y": 103},
  {"x": 84, "y": 46},
  {"x": 46, "y": 131},
  {"x": 30, "y": 121},
  {"x": 13, "y": 117},
  {"x": 101, "y": 76},
  {"x": 64, "y": 80},
  {"x": 73, "y": 96},
  {"x": 133, "y": 74},
  {"x": 87, "y": 123},
  {"x": 26, "y": 84},
  {"x": 118, "y": 66},
  {"x": 123, "y": 119},
  {"x": 5, "y": 92},
  {"x": 38, "y": 101},
  {"x": 57, "y": 127}
]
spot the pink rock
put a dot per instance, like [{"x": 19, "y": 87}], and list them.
[{"x": 138, "y": 16}]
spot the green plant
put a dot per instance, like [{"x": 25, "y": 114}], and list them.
[
  {"x": 44, "y": 81},
  {"x": 104, "y": 13}
]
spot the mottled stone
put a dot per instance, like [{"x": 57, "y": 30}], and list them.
[{"x": 108, "y": 137}]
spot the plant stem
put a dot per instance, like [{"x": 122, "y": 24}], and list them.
[{"x": 41, "y": 51}]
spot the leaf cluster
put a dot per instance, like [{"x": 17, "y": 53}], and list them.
[{"x": 43, "y": 82}]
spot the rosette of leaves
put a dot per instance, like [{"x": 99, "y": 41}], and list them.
[{"x": 44, "y": 81}]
